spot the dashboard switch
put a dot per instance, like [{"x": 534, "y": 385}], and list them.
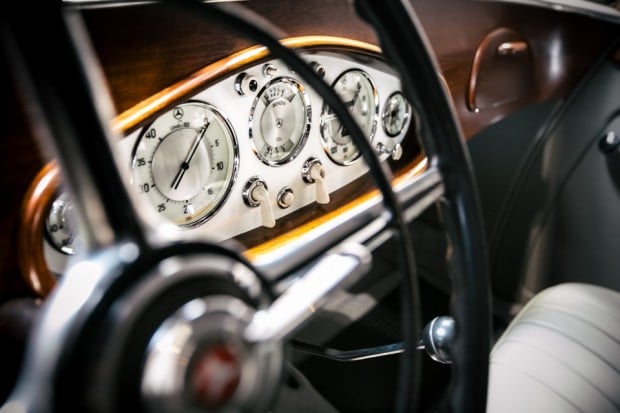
[
  {"x": 286, "y": 197},
  {"x": 396, "y": 152},
  {"x": 269, "y": 70},
  {"x": 313, "y": 172},
  {"x": 255, "y": 195},
  {"x": 319, "y": 69},
  {"x": 246, "y": 84}
]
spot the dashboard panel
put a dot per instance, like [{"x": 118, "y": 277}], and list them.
[
  {"x": 151, "y": 71},
  {"x": 251, "y": 154},
  {"x": 280, "y": 132}
]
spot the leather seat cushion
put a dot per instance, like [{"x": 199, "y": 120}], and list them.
[{"x": 560, "y": 354}]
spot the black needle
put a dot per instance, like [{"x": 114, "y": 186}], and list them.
[
  {"x": 350, "y": 104},
  {"x": 185, "y": 164}
]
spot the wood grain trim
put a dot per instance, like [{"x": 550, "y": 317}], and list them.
[
  {"x": 36, "y": 204},
  {"x": 134, "y": 117}
]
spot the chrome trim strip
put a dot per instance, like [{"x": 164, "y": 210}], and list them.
[
  {"x": 581, "y": 7},
  {"x": 349, "y": 355},
  {"x": 111, "y": 4}
]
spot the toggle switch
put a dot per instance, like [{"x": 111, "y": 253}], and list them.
[
  {"x": 313, "y": 172},
  {"x": 256, "y": 195},
  {"x": 396, "y": 152}
]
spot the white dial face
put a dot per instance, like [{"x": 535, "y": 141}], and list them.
[
  {"x": 61, "y": 226},
  {"x": 358, "y": 92},
  {"x": 279, "y": 121},
  {"x": 396, "y": 114},
  {"x": 185, "y": 163}
]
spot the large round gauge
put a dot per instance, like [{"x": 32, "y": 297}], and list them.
[
  {"x": 359, "y": 93},
  {"x": 185, "y": 162},
  {"x": 280, "y": 121}
]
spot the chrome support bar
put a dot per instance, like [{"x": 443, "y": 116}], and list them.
[
  {"x": 299, "y": 302},
  {"x": 349, "y": 355}
]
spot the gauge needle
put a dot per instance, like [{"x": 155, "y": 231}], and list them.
[
  {"x": 350, "y": 104},
  {"x": 185, "y": 164}
]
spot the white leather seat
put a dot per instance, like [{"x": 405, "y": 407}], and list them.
[{"x": 560, "y": 354}]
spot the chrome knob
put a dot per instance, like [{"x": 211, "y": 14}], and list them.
[
  {"x": 437, "y": 339},
  {"x": 246, "y": 84},
  {"x": 286, "y": 197}
]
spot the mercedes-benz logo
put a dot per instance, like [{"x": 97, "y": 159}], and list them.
[{"x": 177, "y": 113}]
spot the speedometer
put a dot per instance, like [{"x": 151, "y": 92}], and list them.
[{"x": 185, "y": 162}]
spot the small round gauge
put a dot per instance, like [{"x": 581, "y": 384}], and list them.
[
  {"x": 359, "y": 93},
  {"x": 185, "y": 162},
  {"x": 280, "y": 121},
  {"x": 61, "y": 227},
  {"x": 396, "y": 114}
]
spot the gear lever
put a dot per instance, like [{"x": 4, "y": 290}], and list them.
[{"x": 437, "y": 339}]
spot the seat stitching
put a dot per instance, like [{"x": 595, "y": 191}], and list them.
[
  {"x": 527, "y": 374},
  {"x": 568, "y": 366},
  {"x": 589, "y": 300},
  {"x": 551, "y": 327},
  {"x": 576, "y": 316}
]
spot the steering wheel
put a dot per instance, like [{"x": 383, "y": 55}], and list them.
[{"x": 146, "y": 325}]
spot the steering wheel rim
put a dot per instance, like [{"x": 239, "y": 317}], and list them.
[{"x": 456, "y": 213}]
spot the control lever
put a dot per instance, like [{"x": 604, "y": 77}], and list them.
[
  {"x": 313, "y": 172},
  {"x": 437, "y": 339},
  {"x": 255, "y": 195}
]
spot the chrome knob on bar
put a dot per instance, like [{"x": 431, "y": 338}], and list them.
[{"x": 437, "y": 339}]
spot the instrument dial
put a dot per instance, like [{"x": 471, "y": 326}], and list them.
[
  {"x": 61, "y": 226},
  {"x": 185, "y": 162},
  {"x": 396, "y": 114},
  {"x": 359, "y": 93},
  {"x": 280, "y": 121}
]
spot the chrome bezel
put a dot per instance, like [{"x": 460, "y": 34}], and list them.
[
  {"x": 407, "y": 120},
  {"x": 249, "y": 187},
  {"x": 226, "y": 191},
  {"x": 281, "y": 193},
  {"x": 373, "y": 127},
  {"x": 307, "y": 114}
]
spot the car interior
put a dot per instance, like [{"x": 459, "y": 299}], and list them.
[{"x": 319, "y": 206}]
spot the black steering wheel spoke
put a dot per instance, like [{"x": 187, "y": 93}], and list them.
[{"x": 73, "y": 116}]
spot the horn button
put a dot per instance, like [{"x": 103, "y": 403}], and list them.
[
  {"x": 215, "y": 376},
  {"x": 197, "y": 360}
]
